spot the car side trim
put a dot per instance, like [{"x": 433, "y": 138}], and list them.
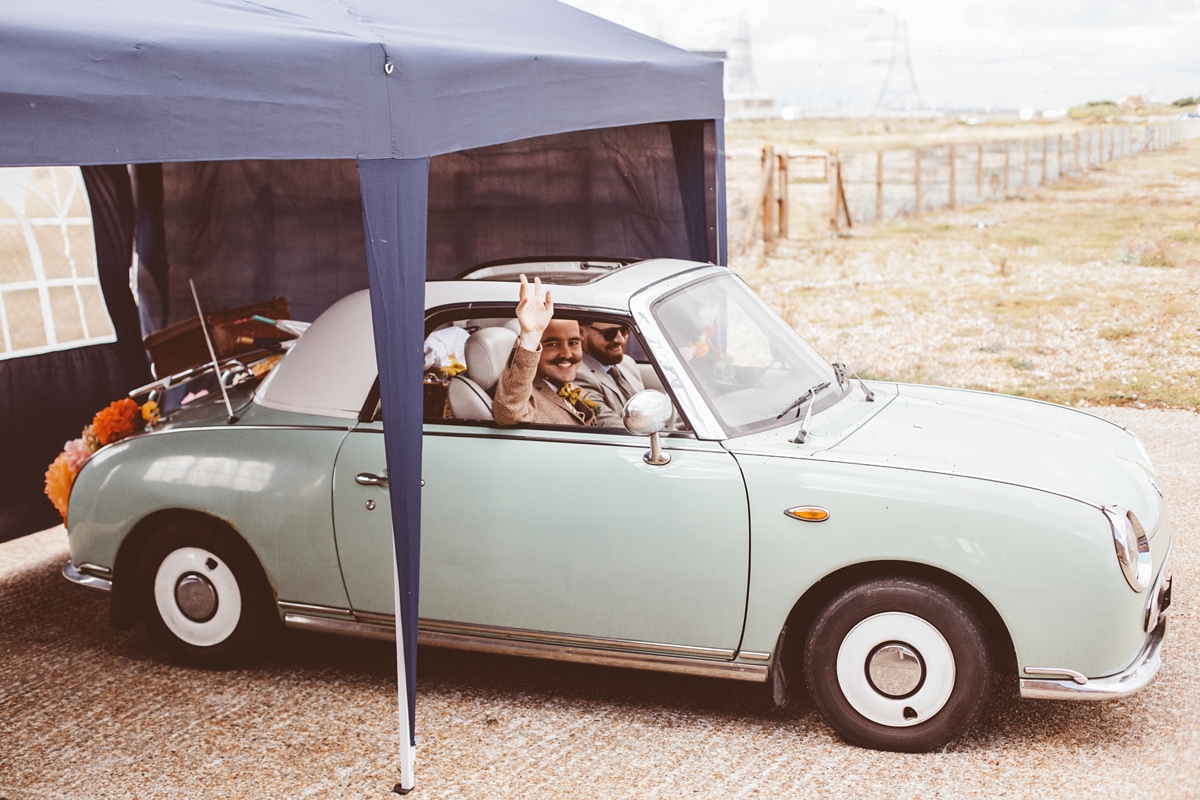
[
  {"x": 1134, "y": 678},
  {"x": 77, "y": 576},
  {"x": 680, "y": 659}
]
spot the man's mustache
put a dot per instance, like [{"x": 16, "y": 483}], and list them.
[{"x": 566, "y": 360}]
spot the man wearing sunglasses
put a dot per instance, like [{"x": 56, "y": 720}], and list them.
[{"x": 610, "y": 375}]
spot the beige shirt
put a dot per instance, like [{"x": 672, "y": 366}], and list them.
[{"x": 522, "y": 397}]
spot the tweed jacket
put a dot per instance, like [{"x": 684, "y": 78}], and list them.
[
  {"x": 522, "y": 397},
  {"x": 603, "y": 386}
]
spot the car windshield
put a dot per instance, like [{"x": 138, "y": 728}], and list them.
[{"x": 748, "y": 363}]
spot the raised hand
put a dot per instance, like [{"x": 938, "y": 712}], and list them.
[{"x": 534, "y": 312}]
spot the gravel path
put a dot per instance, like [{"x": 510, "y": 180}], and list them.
[{"x": 86, "y": 711}]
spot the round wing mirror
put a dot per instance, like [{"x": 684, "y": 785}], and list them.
[{"x": 647, "y": 412}]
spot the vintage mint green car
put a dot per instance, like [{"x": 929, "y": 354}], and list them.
[{"x": 891, "y": 547}]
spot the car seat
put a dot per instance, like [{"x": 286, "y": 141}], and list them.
[{"x": 486, "y": 353}]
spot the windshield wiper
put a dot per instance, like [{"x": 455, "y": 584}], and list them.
[
  {"x": 800, "y": 400},
  {"x": 843, "y": 378},
  {"x": 802, "y": 434}
]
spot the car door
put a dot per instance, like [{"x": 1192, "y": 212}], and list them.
[{"x": 558, "y": 531}]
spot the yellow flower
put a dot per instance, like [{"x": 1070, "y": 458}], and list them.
[{"x": 150, "y": 411}]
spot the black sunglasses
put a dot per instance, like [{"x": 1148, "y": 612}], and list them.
[{"x": 610, "y": 334}]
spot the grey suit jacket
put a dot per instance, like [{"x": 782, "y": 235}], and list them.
[{"x": 592, "y": 376}]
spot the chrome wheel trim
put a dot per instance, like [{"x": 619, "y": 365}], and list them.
[
  {"x": 860, "y": 650},
  {"x": 187, "y": 563}
]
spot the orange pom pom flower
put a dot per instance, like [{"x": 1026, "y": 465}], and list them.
[
  {"x": 114, "y": 423},
  {"x": 59, "y": 479}
]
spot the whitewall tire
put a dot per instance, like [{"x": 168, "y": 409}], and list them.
[
  {"x": 203, "y": 594},
  {"x": 897, "y": 664},
  {"x": 197, "y": 596}
]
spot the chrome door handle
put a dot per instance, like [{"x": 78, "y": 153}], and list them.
[{"x": 369, "y": 479}]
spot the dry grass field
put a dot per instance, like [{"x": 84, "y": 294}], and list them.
[{"x": 1085, "y": 291}]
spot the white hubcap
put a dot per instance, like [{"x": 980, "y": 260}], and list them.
[
  {"x": 895, "y": 669},
  {"x": 197, "y": 596}
]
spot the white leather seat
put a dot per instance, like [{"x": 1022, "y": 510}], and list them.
[{"x": 486, "y": 353}]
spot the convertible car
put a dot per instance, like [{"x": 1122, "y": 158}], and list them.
[{"x": 889, "y": 547}]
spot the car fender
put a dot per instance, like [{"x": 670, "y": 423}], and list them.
[{"x": 1044, "y": 562}]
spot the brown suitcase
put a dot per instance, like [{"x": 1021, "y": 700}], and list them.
[{"x": 181, "y": 346}]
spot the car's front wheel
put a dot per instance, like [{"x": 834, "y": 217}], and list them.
[
  {"x": 897, "y": 664},
  {"x": 203, "y": 595}
]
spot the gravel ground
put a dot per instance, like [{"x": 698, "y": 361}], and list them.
[{"x": 89, "y": 711}]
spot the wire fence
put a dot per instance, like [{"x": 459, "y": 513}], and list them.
[{"x": 867, "y": 186}]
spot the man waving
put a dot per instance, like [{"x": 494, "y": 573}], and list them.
[{"x": 536, "y": 384}]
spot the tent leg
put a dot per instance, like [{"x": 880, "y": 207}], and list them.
[{"x": 407, "y": 751}]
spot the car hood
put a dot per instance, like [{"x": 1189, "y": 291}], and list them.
[{"x": 993, "y": 437}]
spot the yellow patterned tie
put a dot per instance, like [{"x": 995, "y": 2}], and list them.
[{"x": 571, "y": 394}]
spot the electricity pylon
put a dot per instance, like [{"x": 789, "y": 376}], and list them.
[{"x": 899, "y": 68}]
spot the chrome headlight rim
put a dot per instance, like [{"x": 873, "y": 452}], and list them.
[{"x": 1132, "y": 547}]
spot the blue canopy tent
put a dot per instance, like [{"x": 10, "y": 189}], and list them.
[{"x": 469, "y": 129}]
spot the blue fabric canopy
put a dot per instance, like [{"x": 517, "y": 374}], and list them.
[
  {"x": 132, "y": 81},
  {"x": 390, "y": 83}
]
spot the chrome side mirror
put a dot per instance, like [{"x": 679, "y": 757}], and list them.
[{"x": 647, "y": 413}]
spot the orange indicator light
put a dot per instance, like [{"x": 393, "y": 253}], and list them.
[{"x": 808, "y": 513}]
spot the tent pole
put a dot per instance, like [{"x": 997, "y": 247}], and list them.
[{"x": 407, "y": 751}]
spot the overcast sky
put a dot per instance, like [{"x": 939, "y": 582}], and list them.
[{"x": 1006, "y": 54}]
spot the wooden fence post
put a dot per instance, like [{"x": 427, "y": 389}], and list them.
[
  {"x": 782, "y": 173},
  {"x": 953, "y": 178},
  {"x": 1007, "y": 158},
  {"x": 1112, "y": 144},
  {"x": 1045, "y": 153},
  {"x": 1076, "y": 153},
  {"x": 917, "y": 180},
  {"x": 770, "y": 209},
  {"x": 1059, "y": 174},
  {"x": 1025, "y": 172},
  {"x": 879, "y": 186},
  {"x": 832, "y": 172},
  {"x": 979, "y": 173}
]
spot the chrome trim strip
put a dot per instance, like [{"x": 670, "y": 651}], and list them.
[
  {"x": 91, "y": 581},
  {"x": 680, "y": 659},
  {"x": 341, "y": 627},
  {"x": 240, "y": 427},
  {"x": 1051, "y": 672},
  {"x": 608, "y": 658},
  {"x": 682, "y": 443},
  {"x": 325, "y": 611},
  {"x": 703, "y": 421},
  {"x": 750, "y": 655},
  {"x": 568, "y": 640},
  {"x": 95, "y": 570},
  {"x": 1132, "y": 679}
]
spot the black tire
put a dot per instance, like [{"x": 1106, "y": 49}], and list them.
[
  {"x": 900, "y": 600},
  {"x": 243, "y": 618}
]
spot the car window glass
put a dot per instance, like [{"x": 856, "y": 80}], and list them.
[{"x": 746, "y": 361}]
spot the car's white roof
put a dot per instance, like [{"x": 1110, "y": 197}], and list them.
[{"x": 331, "y": 368}]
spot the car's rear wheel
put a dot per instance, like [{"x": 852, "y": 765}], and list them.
[
  {"x": 203, "y": 595},
  {"x": 897, "y": 664}
]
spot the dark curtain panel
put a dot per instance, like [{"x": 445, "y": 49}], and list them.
[
  {"x": 47, "y": 399},
  {"x": 642, "y": 191},
  {"x": 393, "y": 210},
  {"x": 247, "y": 231}
]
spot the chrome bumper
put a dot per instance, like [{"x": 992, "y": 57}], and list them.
[
  {"x": 74, "y": 575},
  {"x": 1134, "y": 678}
]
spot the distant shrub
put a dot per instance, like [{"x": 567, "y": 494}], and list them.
[{"x": 1183, "y": 102}]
